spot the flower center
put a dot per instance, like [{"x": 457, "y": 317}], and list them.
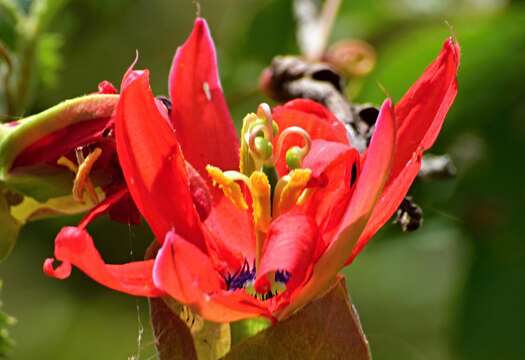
[
  {"x": 270, "y": 195},
  {"x": 244, "y": 278}
]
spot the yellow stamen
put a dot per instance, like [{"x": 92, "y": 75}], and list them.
[
  {"x": 290, "y": 189},
  {"x": 82, "y": 177},
  {"x": 227, "y": 184},
  {"x": 82, "y": 181},
  {"x": 261, "y": 197}
]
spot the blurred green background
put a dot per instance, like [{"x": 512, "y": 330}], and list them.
[{"x": 453, "y": 290}]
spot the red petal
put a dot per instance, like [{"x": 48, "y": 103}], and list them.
[
  {"x": 187, "y": 274},
  {"x": 290, "y": 246},
  {"x": 200, "y": 193},
  {"x": 312, "y": 117},
  {"x": 368, "y": 188},
  {"x": 376, "y": 170},
  {"x": 200, "y": 114},
  {"x": 233, "y": 228},
  {"x": 421, "y": 112},
  {"x": 420, "y": 115},
  {"x": 388, "y": 203},
  {"x": 317, "y": 120},
  {"x": 74, "y": 246},
  {"x": 153, "y": 165},
  {"x": 333, "y": 162},
  {"x": 103, "y": 207}
]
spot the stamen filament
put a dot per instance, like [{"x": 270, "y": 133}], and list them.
[
  {"x": 262, "y": 211},
  {"x": 289, "y": 190},
  {"x": 82, "y": 177},
  {"x": 82, "y": 181},
  {"x": 297, "y": 131},
  {"x": 264, "y": 112}
]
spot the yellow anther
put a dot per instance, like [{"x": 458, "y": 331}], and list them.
[
  {"x": 82, "y": 177},
  {"x": 290, "y": 189},
  {"x": 261, "y": 197},
  {"x": 82, "y": 181},
  {"x": 229, "y": 187}
]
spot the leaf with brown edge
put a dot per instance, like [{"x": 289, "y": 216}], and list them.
[
  {"x": 328, "y": 328},
  {"x": 173, "y": 338}
]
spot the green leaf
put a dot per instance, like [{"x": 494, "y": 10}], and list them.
[
  {"x": 328, "y": 328},
  {"x": 6, "y": 343}
]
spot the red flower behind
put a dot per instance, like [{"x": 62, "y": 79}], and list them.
[{"x": 272, "y": 245}]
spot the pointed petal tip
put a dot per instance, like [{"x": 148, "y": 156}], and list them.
[
  {"x": 452, "y": 47},
  {"x": 131, "y": 74},
  {"x": 387, "y": 105},
  {"x": 200, "y": 22}
]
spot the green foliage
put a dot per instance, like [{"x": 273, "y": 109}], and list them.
[
  {"x": 30, "y": 54},
  {"x": 6, "y": 321}
]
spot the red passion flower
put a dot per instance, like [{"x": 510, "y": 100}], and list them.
[{"x": 260, "y": 226}]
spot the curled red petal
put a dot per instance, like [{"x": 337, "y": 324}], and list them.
[
  {"x": 290, "y": 246},
  {"x": 153, "y": 164},
  {"x": 61, "y": 272},
  {"x": 74, "y": 246},
  {"x": 185, "y": 273},
  {"x": 199, "y": 113},
  {"x": 422, "y": 110}
]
